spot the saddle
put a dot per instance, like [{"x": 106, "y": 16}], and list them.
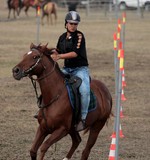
[{"x": 74, "y": 83}]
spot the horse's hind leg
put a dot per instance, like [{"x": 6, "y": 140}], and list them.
[
  {"x": 76, "y": 139},
  {"x": 9, "y": 13},
  {"x": 14, "y": 13},
  {"x": 55, "y": 15},
  {"x": 26, "y": 11},
  {"x": 50, "y": 15},
  {"x": 18, "y": 11},
  {"x": 94, "y": 131},
  {"x": 42, "y": 19}
]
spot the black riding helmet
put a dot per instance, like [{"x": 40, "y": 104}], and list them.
[{"x": 72, "y": 17}]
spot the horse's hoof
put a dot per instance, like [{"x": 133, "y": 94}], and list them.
[{"x": 65, "y": 159}]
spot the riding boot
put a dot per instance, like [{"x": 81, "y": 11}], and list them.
[{"x": 81, "y": 125}]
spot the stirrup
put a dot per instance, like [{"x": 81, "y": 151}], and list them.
[{"x": 80, "y": 126}]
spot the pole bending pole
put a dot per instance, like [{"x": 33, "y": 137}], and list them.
[{"x": 38, "y": 25}]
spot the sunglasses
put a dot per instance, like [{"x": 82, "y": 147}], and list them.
[{"x": 73, "y": 24}]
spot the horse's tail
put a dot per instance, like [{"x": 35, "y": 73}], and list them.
[
  {"x": 106, "y": 99},
  {"x": 110, "y": 113}
]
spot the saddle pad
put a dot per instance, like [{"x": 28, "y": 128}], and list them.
[{"x": 92, "y": 105}]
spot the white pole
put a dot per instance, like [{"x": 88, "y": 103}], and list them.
[
  {"x": 88, "y": 7},
  {"x": 38, "y": 25},
  {"x": 116, "y": 8}
]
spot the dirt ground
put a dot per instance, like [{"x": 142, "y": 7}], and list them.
[{"x": 17, "y": 98}]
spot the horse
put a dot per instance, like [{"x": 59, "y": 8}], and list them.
[
  {"x": 48, "y": 8},
  {"x": 55, "y": 116},
  {"x": 26, "y": 4},
  {"x": 13, "y": 5}
]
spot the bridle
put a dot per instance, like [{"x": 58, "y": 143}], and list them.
[
  {"x": 33, "y": 66},
  {"x": 36, "y": 64},
  {"x": 34, "y": 80}
]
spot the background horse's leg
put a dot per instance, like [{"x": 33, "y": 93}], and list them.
[
  {"x": 76, "y": 139},
  {"x": 55, "y": 15},
  {"x": 26, "y": 10},
  {"x": 54, "y": 137},
  {"x": 94, "y": 131},
  {"x": 18, "y": 11},
  {"x": 39, "y": 138},
  {"x": 9, "y": 13},
  {"x": 48, "y": 17},
  {"x": 42, "y": 19},
  {"x": 14, "y": 13}
]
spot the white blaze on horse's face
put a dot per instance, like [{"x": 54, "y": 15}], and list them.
[{"x": 29, "y": 52}]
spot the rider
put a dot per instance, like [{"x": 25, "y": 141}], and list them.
[{"x": 72, "y": 48}]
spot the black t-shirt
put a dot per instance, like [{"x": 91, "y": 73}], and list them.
[{"x": 75, "y": 43}]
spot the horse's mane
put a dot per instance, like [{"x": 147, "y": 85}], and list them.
[{"x": 47, "y": 52}]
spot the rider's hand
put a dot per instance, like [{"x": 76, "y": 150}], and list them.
[{"x": 55, "y": 55}]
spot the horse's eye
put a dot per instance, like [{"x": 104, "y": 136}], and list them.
[{"x": 35, "y": 57}]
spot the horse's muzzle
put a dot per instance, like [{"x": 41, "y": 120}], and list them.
[{"x": 18, "y": 73}]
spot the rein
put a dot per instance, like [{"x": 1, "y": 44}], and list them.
[
  {"x": 37, "y": 79},
  {"x": 38, "y": 97},
  {"x": 34, "y": 66},
  {"x": 34, "y": 80}
]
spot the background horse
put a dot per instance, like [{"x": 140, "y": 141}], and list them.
[
  {"x": 56, "y": 114},
  {"x": 26, "y": 4},
  {"x": 13, "y": 5},
  {"x": 48, "y": 10}
]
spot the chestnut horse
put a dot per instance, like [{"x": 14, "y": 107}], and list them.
[
  {"x": 13, "y": 5},
  {"x": 56, "y": 115},
  {"x": 18, "y": 5},
  {"x": 26, "y": 4}
]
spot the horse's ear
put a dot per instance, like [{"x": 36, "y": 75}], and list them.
[
  {"x": 44, "y": 47},
  {"x": 32, "y": 46}
]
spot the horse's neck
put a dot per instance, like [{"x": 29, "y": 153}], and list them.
[{"x": 51, "y": 86}]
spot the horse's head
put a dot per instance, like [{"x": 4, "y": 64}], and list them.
[{"x": 32, "y": 62}]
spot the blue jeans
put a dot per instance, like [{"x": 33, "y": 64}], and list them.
[{"x": 84, "y": 90}]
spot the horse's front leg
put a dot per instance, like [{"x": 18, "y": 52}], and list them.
[
  {"x": 54, "y": 137},
  {"x": 39, "y": 138}
]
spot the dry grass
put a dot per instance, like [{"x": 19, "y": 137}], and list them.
[{"x": 17, "y": 99}]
